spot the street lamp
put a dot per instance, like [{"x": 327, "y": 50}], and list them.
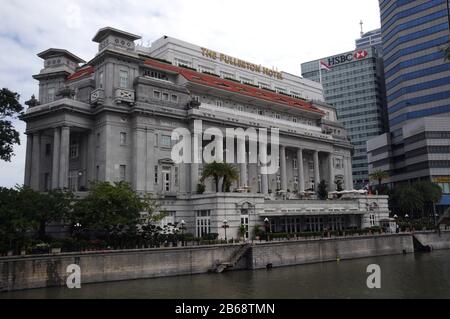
[
  {"x": 225, "y": 226},
  {"x": 183, "y": 227},
  {"x": 267, "y": 227}
]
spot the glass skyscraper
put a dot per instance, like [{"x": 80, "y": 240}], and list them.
[
  {"x": 371, "y": 39},
  {"x": 414, "y": 33},
  {"x": 354, "y": 85}
]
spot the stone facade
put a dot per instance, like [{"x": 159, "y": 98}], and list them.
[{"x": 112, "y": 120}]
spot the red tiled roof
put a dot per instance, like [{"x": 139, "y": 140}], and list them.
[
  {"x": 212, "y": 81},
  {"x": 87, "y": 70}
]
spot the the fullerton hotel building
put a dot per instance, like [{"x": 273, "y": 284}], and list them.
[{"x": 111, "y": 119}]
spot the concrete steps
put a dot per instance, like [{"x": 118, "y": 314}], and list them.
[{"x": 240, "y": 253}]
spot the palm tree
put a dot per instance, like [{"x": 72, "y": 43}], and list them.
[
  {"x": 214, "y": 170},
  {"x": 218, "y": 171},
  {"x": 230, "y": 175},
  {"x": 379, "y": 175}
]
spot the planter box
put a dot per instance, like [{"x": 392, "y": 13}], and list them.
[{"x": 55, "y": 250}]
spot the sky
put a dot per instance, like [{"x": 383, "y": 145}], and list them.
[{"x": 281, "y": 34}]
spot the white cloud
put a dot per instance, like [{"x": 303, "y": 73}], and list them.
[{"x": 281, "y": 33}]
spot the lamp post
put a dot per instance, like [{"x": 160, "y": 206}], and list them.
[
  {"x": 225, "y": 226},
  {"x": 183, "y": 227},
  {"x": 396, "y": 224},
  {"x": 267, "y": 228}
]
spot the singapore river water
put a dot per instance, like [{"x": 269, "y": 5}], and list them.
[{"x": 424, "y": 275}]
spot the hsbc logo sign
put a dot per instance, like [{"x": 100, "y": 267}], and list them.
[
  {"x": 348, "y": 57},
  {"x": 361, "y": 54}
]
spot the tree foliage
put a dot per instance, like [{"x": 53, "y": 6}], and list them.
[
  {"x": 108, "y": 206},
  {"x": 219, "y": 171},
  {"x": 322, "y": 190},
  {"x": 417, "y": 198},
  {"x": 379, "y": 176},
  {"x": 9, "y": 109}
]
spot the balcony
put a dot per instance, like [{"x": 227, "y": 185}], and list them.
[
  {"x": 301, "y": 128},
  {"x": 98, "y": 97},
  {"x": 125, "y": 96}
]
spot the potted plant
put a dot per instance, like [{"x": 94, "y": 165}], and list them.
[
  {"x": 40, "y": 248},
  {"x": 242, "y": 231},
  {"x": 55, "y": 247},
  {"x": 258, "y": 232}
]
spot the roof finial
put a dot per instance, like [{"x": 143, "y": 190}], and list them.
[{"x": 362, "y": 31}]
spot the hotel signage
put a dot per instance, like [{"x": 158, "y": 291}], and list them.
[
  {"x": 241, "y": 64},
  {"x": 445, "y": 179},
  {"x": 348, "y": 57}
]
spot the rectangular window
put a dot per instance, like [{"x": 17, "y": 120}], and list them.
[
  {"x": 246, "y": 80},
  {"x": 100, "y": 80},
  {"x": 157, "y": 95},
  {"x": 228, "y": 75},
  {"x": 74, "y": 147},
  {"x": 98, "y": 140},
  {"x": 51, "y": 95},
  {"x": 180, "y": 62},
  {"x": 280, "y": 90},
  {"x": 203, "y": 223},
  {"x": 123, "y": 138},
  {"x": 174, "y": 98},
  {"x": 263, "y": 85},
  {"x": 48, "y": 149},
  {"x": 176, "y": 176},
  {"x": 165, "y": 96},
  {"x": 124, "y": 79},
  {"x": 166, "y": 141},
  {"x": 295, "y": 163},
  {"x": 122, "y": 173},
  {"x": 73, "y": 181},
  {"x": 219, "y": 103},
  {"x": 156, "y": 175}
]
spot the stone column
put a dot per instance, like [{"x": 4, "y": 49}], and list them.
[
  {"x": 35, "y": 164},
  {"x": 301, "y": 171},
  {"x": 55, "y": 163},
  {"x": 316, "y": 170},
  {"x": 64, "y": 158},
  {"x": 139, "y": 153},
  {"x": 150, "y": 161},
  {"x": 263, "y": 171},
  {"x": 90, "y": 169},
  {"x": 242, "y": 160},
  {"x": 283, "y": 168},
  {"x": 28, "y": 160},
  {"x": 349, "y": 173},
  {"x": 197, "y": 158},
  {"x": 331, "y": 185}
]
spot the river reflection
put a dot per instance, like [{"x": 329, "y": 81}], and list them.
[{"x": 402, "y": 276}]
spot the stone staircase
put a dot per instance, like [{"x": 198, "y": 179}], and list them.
[{"x": 237, "y": 256}]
